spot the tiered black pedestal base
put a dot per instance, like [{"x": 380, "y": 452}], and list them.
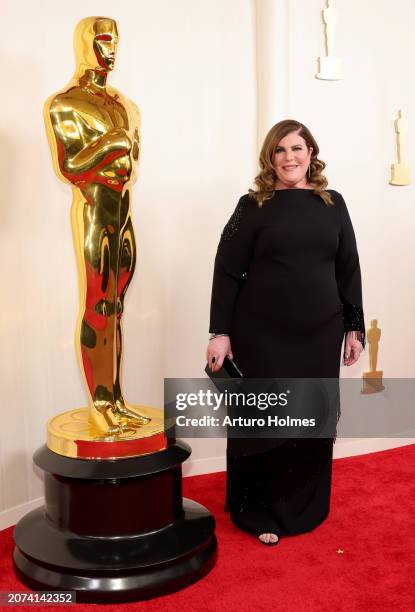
[{"x": 114, "y": 531}]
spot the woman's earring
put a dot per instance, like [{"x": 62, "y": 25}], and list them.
[{"x": 309, "y": 171}]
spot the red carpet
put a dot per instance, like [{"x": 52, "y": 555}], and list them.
[{"x": 372, "y": 519}]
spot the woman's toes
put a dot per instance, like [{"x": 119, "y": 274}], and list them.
[{"x": 268, "y": 538}]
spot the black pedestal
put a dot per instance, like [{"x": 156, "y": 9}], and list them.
[{"x": 114, "y": 531}]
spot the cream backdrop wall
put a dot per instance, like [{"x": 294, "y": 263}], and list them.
[{"x": 210, "y": 77}]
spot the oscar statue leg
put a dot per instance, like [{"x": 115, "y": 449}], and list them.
[
  {"x": 98, "y": 330},
  {"x": 126, "y": 266}
]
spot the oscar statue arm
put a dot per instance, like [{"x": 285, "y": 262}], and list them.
[
  {"x": 80, "y": 147},
  {"x": 98, "y": 150},
  {"x": 136, "y": 137}
]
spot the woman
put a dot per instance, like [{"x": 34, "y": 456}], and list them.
[{"x": 286, "y": 290}]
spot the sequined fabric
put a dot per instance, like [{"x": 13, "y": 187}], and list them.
[
  {"x": 354, "y": 321},
  {"x": 232, "y": 225},
  {"x": 264, "y": 483}
]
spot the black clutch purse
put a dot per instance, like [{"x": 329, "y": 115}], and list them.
[{"x": 229, "y": 369}]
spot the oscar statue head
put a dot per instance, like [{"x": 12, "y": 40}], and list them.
[{"x": 96, "y": 40}]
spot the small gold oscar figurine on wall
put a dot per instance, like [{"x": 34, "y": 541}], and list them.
[
  {"x": 400, "y": 171},
  {"x": 330, "y": 64},
  {"x": 372, "y": 380},
  {"x": 93, "y": 133}
]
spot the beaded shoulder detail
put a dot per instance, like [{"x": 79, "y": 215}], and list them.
[
  {"x": 232, "y": 225},
  {"x": 354, "y": 321}
]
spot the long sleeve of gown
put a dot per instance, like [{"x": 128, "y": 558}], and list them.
[
  {"x": 231, "y": 264},
  {"x": 348, "y": 275}
]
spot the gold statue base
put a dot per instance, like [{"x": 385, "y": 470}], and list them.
[
  {"x": 72, "y": 435},
  {"x": 401, "y": 174},
  {"x": 372, "y": 382},
  {"x": 329, "y": 68}
]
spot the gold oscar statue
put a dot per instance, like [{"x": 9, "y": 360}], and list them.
[
  {"x": 93, "y": 133},
  {"x": 400, "y": 172},
  {"x": 372, "y": 380},
  {"x": 115, "y": 526}
]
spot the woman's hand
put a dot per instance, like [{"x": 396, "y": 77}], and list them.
[
  {"x": 352, "y": 349},
  {"x": 217, "y": 349}
]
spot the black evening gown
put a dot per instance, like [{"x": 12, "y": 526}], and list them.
[{"x": 286, "y": 288}]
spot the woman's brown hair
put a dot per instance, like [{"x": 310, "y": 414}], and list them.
[{"x": 265, "y": 181}]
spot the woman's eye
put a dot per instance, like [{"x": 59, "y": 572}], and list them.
[{"x": 278, "y": 150}]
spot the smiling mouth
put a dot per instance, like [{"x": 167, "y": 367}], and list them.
[{"x": 290, "y": 167}]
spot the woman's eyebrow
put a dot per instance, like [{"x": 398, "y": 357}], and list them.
[{"x": 295, "y": 145}]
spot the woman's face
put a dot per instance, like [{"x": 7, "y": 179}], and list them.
[{"x": 291, "y": 160}]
